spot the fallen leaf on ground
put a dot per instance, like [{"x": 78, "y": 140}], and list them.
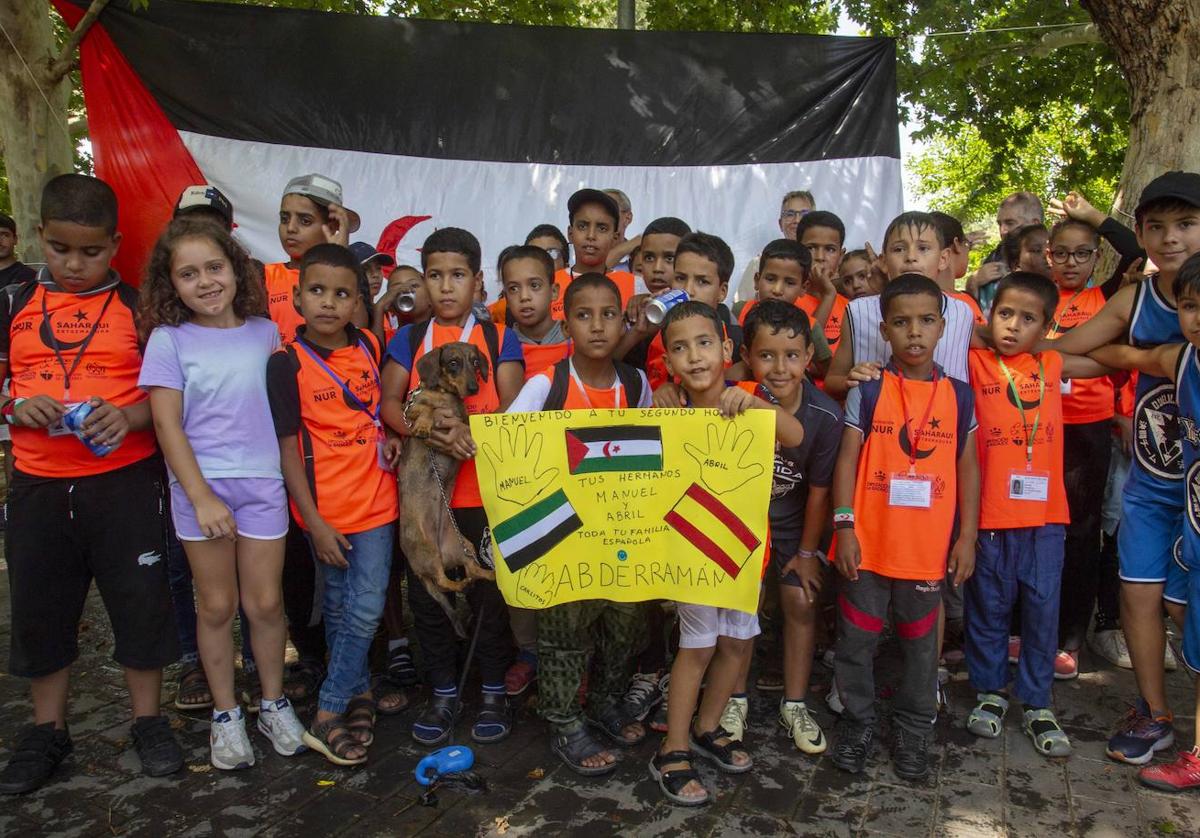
[
  {"x": 536, "y": 774},
  {"x": 324, "y": 783},
  {"x": 501, "y": 825},
  {"x": 200, "y": 768}
]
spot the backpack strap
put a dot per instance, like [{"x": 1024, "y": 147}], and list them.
[
  {"x": 560, "y": 381},
  {"x": 491, "y": 336},
  {"x": 631, "y": 383},
  {"x": 416, "y": 335}
]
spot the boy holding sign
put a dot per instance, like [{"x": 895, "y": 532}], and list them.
[
  {"x": 565, "y": 633},
  {"x": 714, "y": 643}
]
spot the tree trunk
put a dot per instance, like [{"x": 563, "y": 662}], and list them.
[
  {"x": 1157, "y": 46},
  {"x": 33, "y": 130}
]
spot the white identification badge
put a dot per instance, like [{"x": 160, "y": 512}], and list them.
[
  {"x": 912, "y": 490},
  {"x": 57, "y": 428},
  {"x": 1064, "y": 386},
  {"x": 1029, "y": 485}
]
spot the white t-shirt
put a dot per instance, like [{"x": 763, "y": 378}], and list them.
[{"x": 863, "y": 317}]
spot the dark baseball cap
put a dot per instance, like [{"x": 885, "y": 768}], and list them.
[
  {"x": 364, "y": 253},
  {"x": 205, "y": 197},
  {"x": 1178, "y": 186},
  {"x": 593, "y": 196}
]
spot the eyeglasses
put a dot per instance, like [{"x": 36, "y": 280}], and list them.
[
  {"x": 1059, "y": 256},
  {"x": 794, "y": 215}
]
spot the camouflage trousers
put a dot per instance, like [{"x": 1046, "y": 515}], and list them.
[{"x": 566, "y": 635}]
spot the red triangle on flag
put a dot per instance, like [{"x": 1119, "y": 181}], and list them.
[{"x": 576, "y": 451}]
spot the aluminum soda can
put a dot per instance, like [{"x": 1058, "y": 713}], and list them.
[
  {"x": 406, "y": 302},
  {"x": 73, "y": 421},
  {"x": 657, "y": 308}
]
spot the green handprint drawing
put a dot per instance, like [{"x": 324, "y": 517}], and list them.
[
  {"x": 521, "y": 452},
  {"x": 722, "y": 463}
]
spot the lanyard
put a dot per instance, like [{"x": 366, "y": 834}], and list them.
[
  {"x": 468, "y": 327},
  {"x": 915, "y": 435},
  {"x": 358, "y": 403},
  {"x": 1054, "y": 324},
  {"x": 83, "y": 344},
  {"x": 1030, "y": 435},
  {"x": 616, "y": 388}
]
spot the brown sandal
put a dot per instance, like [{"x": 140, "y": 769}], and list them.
[
  {"x": 193, "y": 692},
  {"x": 360, "y": 719},
  {"x": 321, "y": 737}
]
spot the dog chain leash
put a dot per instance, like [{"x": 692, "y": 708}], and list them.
[{"x": 442, "y": 490}]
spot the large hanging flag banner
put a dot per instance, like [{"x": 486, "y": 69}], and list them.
[
  {"x": 601, "y": 504},
  {"x": 431, "y": 123}
]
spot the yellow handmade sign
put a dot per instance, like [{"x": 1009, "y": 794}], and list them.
[{"x": 627, "y": 505}]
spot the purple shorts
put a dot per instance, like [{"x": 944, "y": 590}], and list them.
[{"x": 258, "y": 504}]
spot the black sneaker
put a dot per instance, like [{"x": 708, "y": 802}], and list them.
[
  {"x": 38, "y": 753},
  {"x": 910, "y": 755},
  {"x": 853, "y": 747},
  {"x": 156, "y": 745}
]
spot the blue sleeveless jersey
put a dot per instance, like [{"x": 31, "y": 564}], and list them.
[
  {"x": 1157, "y": 453},
  {"x": 1187, "y": 387}
]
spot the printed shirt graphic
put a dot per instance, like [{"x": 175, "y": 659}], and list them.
[
  {"x": 337, "y": 441},
  {"x": 1187, "y": 386},
  {"x": 811, "y": 463},
  {"x": 487, "y": 400},
  {"x": 626, "y": 284},
  {"x": 1000, "y": 439},
  {"x": 1090, "y": 399},
  {"x": 1157, "y": 455},
  {"x": 970, "y": 303},
  {"x": 108, "y": 368},
  {"x": 887, "y": 442},
  {"x": 281, "y": 282}
]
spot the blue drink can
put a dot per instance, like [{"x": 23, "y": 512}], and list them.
[
  {"x": 657, "y": 308},
  {"x": 73, "y": 421}
]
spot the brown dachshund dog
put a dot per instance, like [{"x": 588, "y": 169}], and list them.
[{"x": 430, "y": 541}]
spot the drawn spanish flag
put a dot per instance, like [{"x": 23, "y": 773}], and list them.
[
  {"x": 614, "y": 448},
  {"x": 713, "y": 529},
  {"x": 535, "y": 531}
]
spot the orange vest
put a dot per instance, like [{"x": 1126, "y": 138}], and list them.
[
  {"x": 487, "y": 400},
  {"x": 625, "y": 284},
  {"x": 108, "y": 368},
  {"x": 587, "y": 397},
  {"x": 1001, "y": 438},
  {"x": 884, "y": 453},
  {"x": 833, "y": 325},
  {"x": 542, "y": 356},
  {"x": 1090, "y": 399},
  {"x": 337, "y": 440},
  {"x": 976, "y": 311},
  {"x": 281, "y": 282}
]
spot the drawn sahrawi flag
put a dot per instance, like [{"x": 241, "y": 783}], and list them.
[
  {"x": 614, "y": 448},
  {"x": 531, "y": 534},
  {"x": 713, "y": 529},
  {"x": 713, "y": 127}
]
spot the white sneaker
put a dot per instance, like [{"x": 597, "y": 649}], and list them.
[
  {"x": 734, "y": 717},
  {"x": 229, "y": 744},
  {"x": 834, "y": 701},
  {"x": 806, "y": 733},
  {"x": 1110, "y": 645},
  {"x": 1170, "y": 662},
  {"x": 277, "y": 721}
]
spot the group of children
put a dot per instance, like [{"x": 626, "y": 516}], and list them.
[{"x": 937, "y": 462}]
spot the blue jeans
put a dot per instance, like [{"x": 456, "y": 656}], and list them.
[
  {"x": 183, "y": 598},
  {"x": 1022, "y": 564},
  {"x": 353, "y": 605}
]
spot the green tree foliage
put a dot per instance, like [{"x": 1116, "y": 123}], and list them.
[{"x": 1000, "y": 110}]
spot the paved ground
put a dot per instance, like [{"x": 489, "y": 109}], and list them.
[{"x": 980, "y": 788}]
